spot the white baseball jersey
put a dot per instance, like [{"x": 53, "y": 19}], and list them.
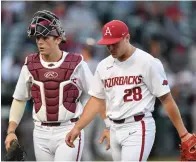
[
  {"x": 129, "y": 87},
  {"x": 81, "y": 76}
]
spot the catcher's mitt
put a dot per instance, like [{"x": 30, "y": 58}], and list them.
[
  {"x": 188, "y": 149},
  {"x": 15, "y": 152}
]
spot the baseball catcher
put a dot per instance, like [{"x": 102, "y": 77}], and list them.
[
  {"x": 188, "y": 149},
  {"x": 15, "y": 152},
  {"x": 58, "y": 83}
]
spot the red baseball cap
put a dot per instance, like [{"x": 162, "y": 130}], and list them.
[{"x": 113, "y": 32}]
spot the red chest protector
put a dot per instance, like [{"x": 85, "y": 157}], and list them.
[{"x": 52, "y": 89}]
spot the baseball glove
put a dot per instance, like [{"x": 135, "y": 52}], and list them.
[
  {"x": 188, "y": 149},
  {"x": 15, "y": 152}
]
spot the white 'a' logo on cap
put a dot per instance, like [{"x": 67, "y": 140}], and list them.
[{"x": 108, "y": 31}]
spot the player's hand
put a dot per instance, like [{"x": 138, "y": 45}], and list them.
[
  {"x": 105, "y": 135},
  {"x": 8, "y": 140},
  {"x": 71, "y": 136}
]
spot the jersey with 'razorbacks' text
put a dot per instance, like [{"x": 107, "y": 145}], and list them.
[{"x": 129, "y": 87}]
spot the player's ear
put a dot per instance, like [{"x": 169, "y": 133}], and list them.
[
  {"x": 127, "y": 38},
  {"x": 58, "y": 40}
]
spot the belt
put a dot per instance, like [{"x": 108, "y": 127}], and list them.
[
  {"x": 135, "y": 118},
  {"x": 58, "y": 123}
]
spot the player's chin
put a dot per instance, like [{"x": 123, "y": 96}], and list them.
[
  {"x": 43, "y": 53},
  {"x": 114, "y": 55}
]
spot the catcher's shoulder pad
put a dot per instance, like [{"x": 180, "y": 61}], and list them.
[{"x": 31, "y": 57}]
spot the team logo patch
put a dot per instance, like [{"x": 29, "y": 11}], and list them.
[
  {"x": 108, "y": 32},
  {"x": 51, "y": 74},
  {"x": 165, "y": 82},
  {"x": 109, "y": 67}
]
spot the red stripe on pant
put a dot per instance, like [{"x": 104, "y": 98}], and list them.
[
  {"x": 143, "y": 140},
  {"x": 78, "y": 147}
]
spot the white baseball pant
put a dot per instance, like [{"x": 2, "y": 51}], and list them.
[
  {"x": 132, "y": 141},
  {"x": 49, "y": 143}
]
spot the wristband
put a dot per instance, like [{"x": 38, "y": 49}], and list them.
[
  {"x": 184, "y": 135},
  {"x": 107, "y": 123},
  {"x": 11, "y": 132}
]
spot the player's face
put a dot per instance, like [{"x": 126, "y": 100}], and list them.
[
  {"x": 46, "y": 45},
  {"x": 118, "y": 49}
]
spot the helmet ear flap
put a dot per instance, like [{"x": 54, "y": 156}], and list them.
[
  {"x": 32, "y": 28},
  {"x": 63, "y": 38}
]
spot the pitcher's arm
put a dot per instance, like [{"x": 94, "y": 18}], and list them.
[
  {"x": 174, "y": 115},
  {"x": 93, "y": 106}
]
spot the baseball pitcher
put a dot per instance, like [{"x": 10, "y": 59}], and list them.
[{"x": 129, "y": 80}]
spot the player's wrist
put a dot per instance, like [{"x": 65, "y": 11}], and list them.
[
  {"x": 107, "y": 128},
  {"x": 184, "y": 135},
  {"x": 107, "y": 123},
  {"x": 78, "y": 127},
  {"x": 11, "y": 132}
]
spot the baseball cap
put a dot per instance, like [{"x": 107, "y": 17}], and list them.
[{"x": 113, "y": 32}]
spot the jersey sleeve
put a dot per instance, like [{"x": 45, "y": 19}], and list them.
[
  {"x": 97, "y": 89},
  {"x": 22, "y": 90},
  {"x": 155, "y": 78},
  {"x": 83, "y": 78}
]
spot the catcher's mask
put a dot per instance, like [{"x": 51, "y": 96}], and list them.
[{"x": 45, "y": 23}]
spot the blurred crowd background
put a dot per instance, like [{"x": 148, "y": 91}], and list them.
[{"x": 167, "y": 30}]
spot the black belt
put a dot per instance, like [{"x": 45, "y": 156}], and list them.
[
  {"x": 136, "y": 118},
  {"x": 58, "y": 123}
]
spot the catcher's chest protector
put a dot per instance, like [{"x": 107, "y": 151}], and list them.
[{"x": 54, "y": 94}]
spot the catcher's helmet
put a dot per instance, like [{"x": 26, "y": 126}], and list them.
[{"x": 46, "y": 23}]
